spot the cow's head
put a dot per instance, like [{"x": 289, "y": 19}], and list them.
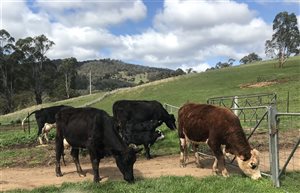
[
  {"x": 125, "y": 161},
  {"x": 170, "y": 122},
  {"x": 251, "y": 166},
  {"x": 159, "y": 135}
]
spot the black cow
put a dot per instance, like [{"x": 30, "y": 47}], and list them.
[
  {"x": 137, "y": 111},
  {"x": 92, "y": 129},
  {"x": 45, "y": 115},
  {"x": 143, "y": 134}
]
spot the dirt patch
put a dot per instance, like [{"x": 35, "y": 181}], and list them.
[
  {"x": 258, "y": 84},
  {"x": 29, "y": 178}
]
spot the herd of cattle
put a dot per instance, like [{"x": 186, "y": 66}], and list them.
[{"x": 134, "y": 122}]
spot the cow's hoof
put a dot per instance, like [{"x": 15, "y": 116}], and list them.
[
  {"x": 97, "y": 180},
  {"x": 182, "y": 165},
  {"x": 59, "y": 174},
  {"x": 215, "y": 173},
  {"x": 82, "y": 175},
  {"x": 225, "y": 174}
]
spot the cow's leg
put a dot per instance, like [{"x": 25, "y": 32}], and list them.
[
  {"x": 197, "y": 157},
  {"x": 46, "y": 137},
  {"x": 147, "y": 151},
  {"x": 40, "y": 139},
  {"x": 215, "y": 166},
  {"x": 95, "y": 165},
  {"x": 219, "y": 158},
  {"x": 183, "y": 152},
  {"x": 59, "y": 148},
  {"x": 75, "y": 155}
]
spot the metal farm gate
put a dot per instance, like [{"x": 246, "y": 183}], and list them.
[{"x": 260, "y": 121}]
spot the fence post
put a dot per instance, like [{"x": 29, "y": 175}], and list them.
[
  {"x": 235, "y": 105},
  {"x": 28, "y": 127},
  {"x": 273, "y": 145}
]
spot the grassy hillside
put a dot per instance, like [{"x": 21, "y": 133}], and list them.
[
  {"x": 75, "y": 102},
  {"x": 201, "y": 86},
  {"x": 223, "y": 82}
]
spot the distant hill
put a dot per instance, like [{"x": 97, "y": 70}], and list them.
[{"x": 108, "y": 74}]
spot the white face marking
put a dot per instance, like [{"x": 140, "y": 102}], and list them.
[
  {"x": 246, "y": 166},
  {"x": 160, "y": 137}
]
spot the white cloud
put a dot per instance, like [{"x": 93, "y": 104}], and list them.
[
  {"x": 184, "y": 33},
  {"x": 191, "y": 14},
  {"x": 93, "y": 13},
  {"x": 197, "y": 67},
  {"x": 20, "y": 22}
]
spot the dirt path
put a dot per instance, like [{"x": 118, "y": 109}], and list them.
[{"x": 29, "y": 178}]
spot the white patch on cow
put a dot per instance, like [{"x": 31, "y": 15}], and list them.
[
  {"x": 66, "y": 144},
  {"x": 160, "y": 137},
  {"x": 182, "y": 142}
]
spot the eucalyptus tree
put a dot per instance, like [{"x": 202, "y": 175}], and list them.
[
  {"x": 252, "y": 57},
  {"x": 68, "y": 69},
  {"x": 35, "y": 50},
  {"x": 9, "y": 70},
  {"x": 286, "y": 38}
]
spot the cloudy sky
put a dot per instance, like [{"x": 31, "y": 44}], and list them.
[{"x": 159, "y": 33}]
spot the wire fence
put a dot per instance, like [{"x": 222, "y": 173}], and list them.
[{"x": 288, "y": 125}]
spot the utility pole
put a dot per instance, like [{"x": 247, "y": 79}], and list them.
[{"x": 90, "y": 82}]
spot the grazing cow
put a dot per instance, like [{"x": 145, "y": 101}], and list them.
[
  {"x": 45, "y": 115},
  {"x": 143, "y": 134},
  {"x": 137, "y": 111},
  {"x": 216, "y": 126},
  {"x": 92, "y": 129}
]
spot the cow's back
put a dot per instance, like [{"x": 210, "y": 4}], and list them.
[
  {"x": 200, "y": 121},
  {"x": 137, "y": 110}
]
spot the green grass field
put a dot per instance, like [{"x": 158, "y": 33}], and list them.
[
  {"x": 172, "y": 184},
  {"x": 176, "y": 91},
  {"x": 75, "y": 102},
  {"x": 223, "y": 82}
]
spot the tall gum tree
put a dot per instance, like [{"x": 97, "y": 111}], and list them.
[
  {"x": 286, "y": 38},
  {"x": 35, "y": 50}
]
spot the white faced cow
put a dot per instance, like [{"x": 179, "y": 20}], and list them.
[{"x": 217, "y": 126}]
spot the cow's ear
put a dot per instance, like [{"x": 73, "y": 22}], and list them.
[
  {"x": 241, "y": 157},
  {"x": 254, "y": 152}
]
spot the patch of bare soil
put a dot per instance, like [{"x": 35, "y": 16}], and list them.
[
  {"x": 258, "y": 84},
  {"x": 29, "y": 178}
]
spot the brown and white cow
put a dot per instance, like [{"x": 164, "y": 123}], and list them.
[{"x": 216, "y": 126}]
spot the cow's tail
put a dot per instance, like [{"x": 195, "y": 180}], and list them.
[{"x": 23, "y": 121}]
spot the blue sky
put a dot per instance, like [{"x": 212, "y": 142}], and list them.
[{"x": 169, "y": 34}]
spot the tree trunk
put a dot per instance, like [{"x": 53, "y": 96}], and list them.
[
  {"x": 38, "y": 97},
  {"x": 67, "y": 85}
]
